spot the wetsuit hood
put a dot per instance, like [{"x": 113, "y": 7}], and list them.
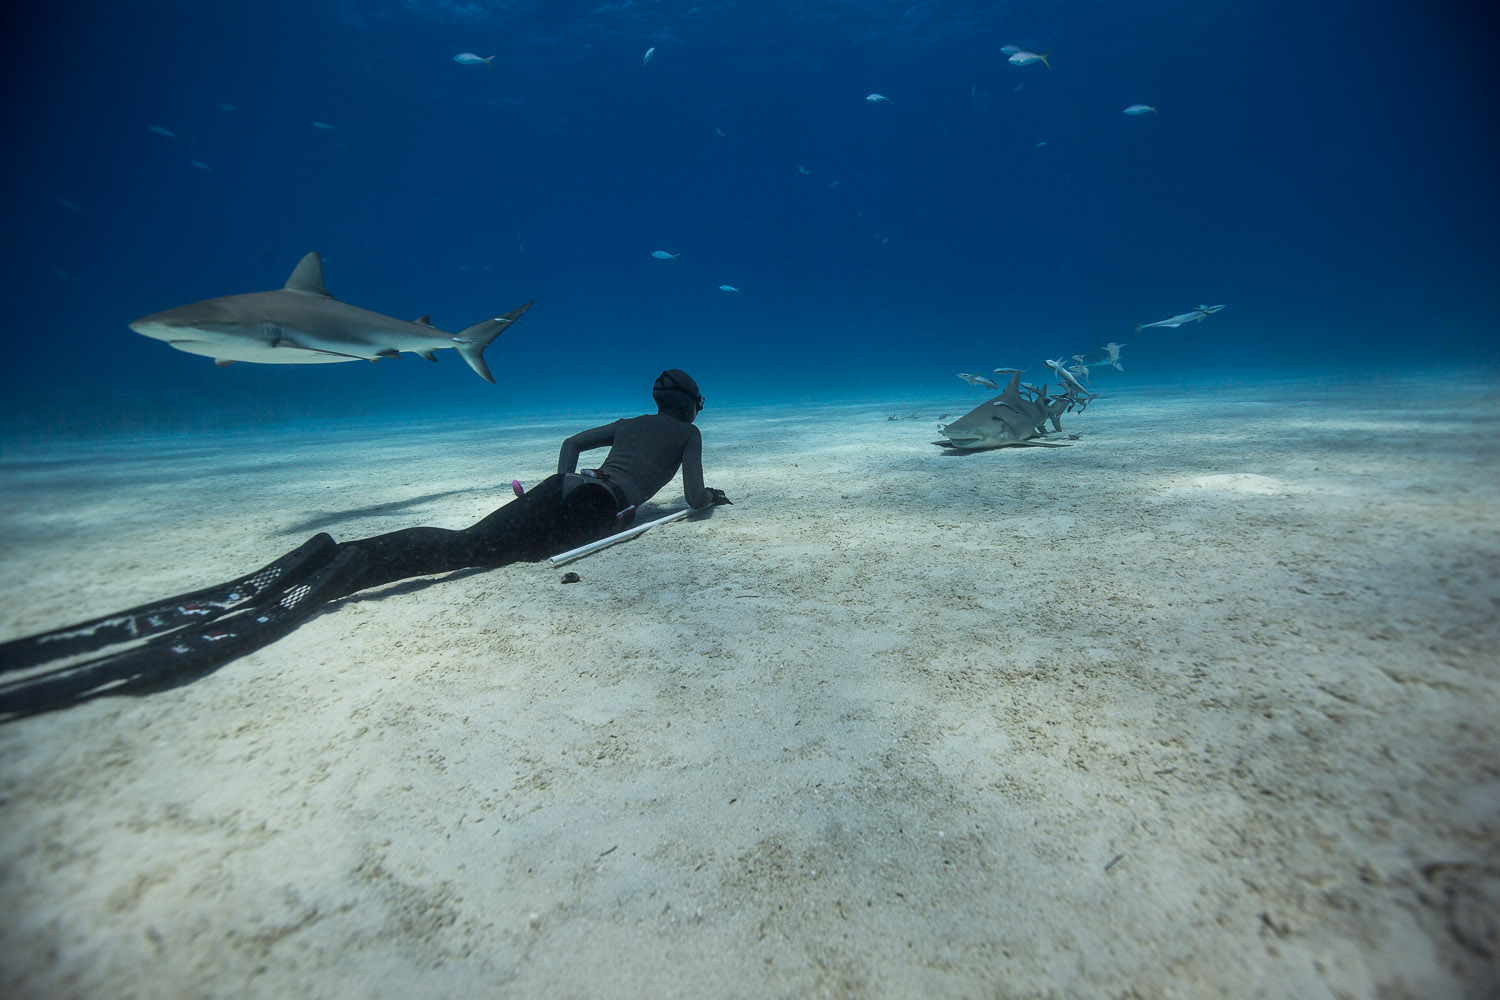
[{"x": 677, "y": 395}]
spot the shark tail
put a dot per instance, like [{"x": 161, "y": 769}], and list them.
[{"x": 471, "y": 342}]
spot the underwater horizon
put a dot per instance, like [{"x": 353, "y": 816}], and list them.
[{"x": 1324, "y": 171}]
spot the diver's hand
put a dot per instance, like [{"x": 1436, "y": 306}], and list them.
[{"x": 717, "y": 497}]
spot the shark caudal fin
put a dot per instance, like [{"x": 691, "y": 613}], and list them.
[{"x": 470, "y": 343}]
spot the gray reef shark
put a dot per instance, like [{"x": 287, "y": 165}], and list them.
[
  {"x": 1008, "y": 419},
  {"x": 301, "y": 324}
]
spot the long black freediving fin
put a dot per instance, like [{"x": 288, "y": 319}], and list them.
[
  {"x": 194, "y": 651},
  {"x": 146, "y": 620}
]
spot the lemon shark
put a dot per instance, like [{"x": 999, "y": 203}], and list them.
[
  {"x": 301, "y": 324},
  {"x": 1008, "y": 419}
]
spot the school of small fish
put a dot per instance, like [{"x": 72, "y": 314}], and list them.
[{"x": 1015, "y": 55}]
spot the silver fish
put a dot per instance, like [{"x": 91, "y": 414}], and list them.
[{"x": 1024, "y": 58}]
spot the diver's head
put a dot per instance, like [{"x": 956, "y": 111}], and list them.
[{"x": 676, "y": 394}]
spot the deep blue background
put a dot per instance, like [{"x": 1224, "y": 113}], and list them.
[{"x": 1327, "y": 170}]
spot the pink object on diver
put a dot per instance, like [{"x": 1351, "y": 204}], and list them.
[{"x": 516, "y": 487}]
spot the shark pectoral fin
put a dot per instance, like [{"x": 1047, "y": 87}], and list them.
[
  {"x": 470, "y": 343},
  {"x": 287, "y": 342},
  {"x": 223, "y": 362},
  {"x": 428, "y": 355},
  {"x": 423, "y": 320}
]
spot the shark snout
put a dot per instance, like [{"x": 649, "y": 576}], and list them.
[{"x": 157, "y": 329}]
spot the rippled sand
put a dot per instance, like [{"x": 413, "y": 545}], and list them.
[{"x": 1203, "y": 704}]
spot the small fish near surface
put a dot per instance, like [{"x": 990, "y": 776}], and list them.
[
  {"x": 470, "y": 59},
  {"x": 1024, "y": 58},
  {"x": 1172, "y": 322},
  {"x": 301, "y": 324},
  {"x": 729, "y": 288},
  {"x": 878, "y": 99},
  {"x": 647, "y": 57},
  {"x": 1142, "y": 109},
  {"x": 663, "y": 255}
]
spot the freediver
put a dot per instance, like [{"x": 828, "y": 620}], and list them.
[{"x": 202, "y": 630}]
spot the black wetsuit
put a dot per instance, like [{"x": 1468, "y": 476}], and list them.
[
  {"x": 561, "y": 512},
  {"x": 188, "y": 634}
]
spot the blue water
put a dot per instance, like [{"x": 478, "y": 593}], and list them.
[{"x": 1326, "y": 170}]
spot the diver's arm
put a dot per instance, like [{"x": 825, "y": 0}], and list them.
[
  {"x": 692, "y": 472},
  {"x": 594, "y": 437}
]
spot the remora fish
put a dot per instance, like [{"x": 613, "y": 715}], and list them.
[
  {"x": 1196, "y": 316},
  {"x": 301, "y": 324},
  {"x": 978, "y": 380},
  {"x": 1067, "y": 377},
  {"x": 1005, "y": 420}
]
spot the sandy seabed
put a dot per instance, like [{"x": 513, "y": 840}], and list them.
[{"x": 1203, "y": 704}]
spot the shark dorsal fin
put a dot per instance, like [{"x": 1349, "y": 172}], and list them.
[
  {"x": 308, "y": 276},
  {"x": 1012, "y": 393}
]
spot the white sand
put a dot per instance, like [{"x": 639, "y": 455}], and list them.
[{"x": 1205, "y": 704}]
